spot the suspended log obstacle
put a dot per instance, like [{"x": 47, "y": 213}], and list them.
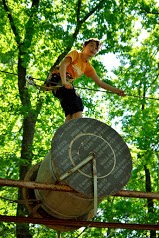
[{"x": 88, "y": 156}]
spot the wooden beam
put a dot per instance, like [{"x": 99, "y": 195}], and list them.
[
  {"x": 73, "y": 223},
  {"x": 34, "y": 185},
  {"x": 137, "y": 194},
  {"x": 65, "y": 188}
]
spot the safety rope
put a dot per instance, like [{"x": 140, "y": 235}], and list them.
[{"x": 84, "y": 88}]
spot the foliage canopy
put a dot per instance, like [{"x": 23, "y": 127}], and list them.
[{"x": 34, "y": 36}]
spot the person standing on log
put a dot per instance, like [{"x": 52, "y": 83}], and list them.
[{"x": 74, "y": 65}]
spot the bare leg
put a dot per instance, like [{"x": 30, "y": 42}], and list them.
[
  {"x": 68, "y": 117},
  {"x": 77, "y": 115},
  {"x": 73, "y": 116}
]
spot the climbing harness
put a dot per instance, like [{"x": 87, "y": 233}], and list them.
[{"x": 46, "y": 87}]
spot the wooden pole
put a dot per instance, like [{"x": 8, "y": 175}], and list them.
[
  {"x": 137, "y": 194},
  {"x": 34, "y": 185},
  {"x": 73, "y": 223},
  {"x": 65, "y": 188}
]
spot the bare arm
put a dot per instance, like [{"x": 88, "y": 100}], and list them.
[
  {"x": 63, "y": 65},
  {"x": 106, "y": 86}
]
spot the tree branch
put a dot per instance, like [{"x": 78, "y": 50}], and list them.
[
  {"x": 78, "y": 10},
  {"x": 93, "y": 10},
  {"x": 150, "y": 12},
  {"x": 13, "y": 27},
  {"x": 78, "y": 27},
  {"x": 29, "y": 25}
]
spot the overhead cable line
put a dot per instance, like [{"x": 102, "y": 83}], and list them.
[
  {"x": 85, "y": 88},
  {"x": 130, "y": 95}
]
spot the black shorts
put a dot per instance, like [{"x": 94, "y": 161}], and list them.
[{"x": 70, "y": 100}]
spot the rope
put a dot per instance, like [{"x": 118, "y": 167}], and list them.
[
  {"x": 85, "y": 88},
  {"x": 18, "y": 75},
  {"x": 130, "y": 95}
]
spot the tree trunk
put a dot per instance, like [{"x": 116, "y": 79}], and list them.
[
  {"x": 29, "y": 120},
  {"x": 150, "y": 204}
]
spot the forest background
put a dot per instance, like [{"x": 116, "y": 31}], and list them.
[{"x": 34, "y": 36}]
